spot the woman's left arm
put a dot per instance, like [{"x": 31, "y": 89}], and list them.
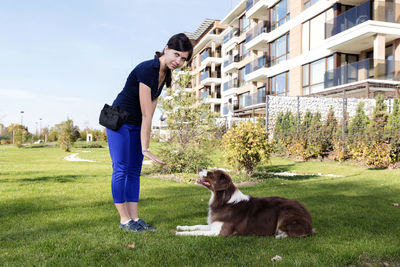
[{"x": 147, "y": 107}]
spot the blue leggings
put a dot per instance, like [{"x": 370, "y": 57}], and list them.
[{"x": 127, "y": 158}]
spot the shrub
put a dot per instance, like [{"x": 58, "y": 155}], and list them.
[
  {"x": 182, "y": 160},
  {"x": 247, "y": 145},
  {"x": 377, "y": 155}
]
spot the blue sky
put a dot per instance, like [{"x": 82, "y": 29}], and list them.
[{"x": 64, "y": 59}]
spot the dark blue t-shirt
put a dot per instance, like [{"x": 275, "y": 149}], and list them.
[{"x": 147, "y": 73}]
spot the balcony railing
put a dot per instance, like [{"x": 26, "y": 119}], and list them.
[
  {"x": 207, "y": 54},
  {"x": 204, "y": 95},
  {"x": 360, "y": 14},
  {"x": 230, "y": 84},
  {"x": 253, "y": 99},
  {"x": 363, "y": 70},
  {"x": 256, "y": 31},
  {"x": 208, "y": 74},
  {"x": 256, "y": 64},
  {"x": 232, "y": 59},
  {"x": 233, "y": 33},
  {"x": 250, "y": 4}
]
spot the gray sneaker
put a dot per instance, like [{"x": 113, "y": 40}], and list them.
[
  {"x": 145, "y": 226},
  {"x": 132, "y": 226}
]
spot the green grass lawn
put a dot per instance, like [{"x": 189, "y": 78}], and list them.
[{"x": 59, "y": 213}]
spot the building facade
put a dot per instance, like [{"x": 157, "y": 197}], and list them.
[{"x": 297, "y": 48}]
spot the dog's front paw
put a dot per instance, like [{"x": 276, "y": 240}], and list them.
[{"x": 182, "y": 228}]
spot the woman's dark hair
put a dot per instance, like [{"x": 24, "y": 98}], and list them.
[{"x": 179, "y": 42}]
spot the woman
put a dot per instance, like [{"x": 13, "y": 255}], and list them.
[{"x": 130, "y": 143}]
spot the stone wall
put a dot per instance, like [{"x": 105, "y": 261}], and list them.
[{"x": 277, "y": 104}]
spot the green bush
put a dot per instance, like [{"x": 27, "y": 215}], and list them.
[
  {"x": 182, "y": 160},
  {"x": 247, "y": 145}
]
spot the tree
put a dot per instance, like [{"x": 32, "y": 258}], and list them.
[
  {"x": 392, "y": 131},
  {"x": 192, "y": 127},
  {"x": 68, "y": 134},
  {"x": 358, "y": 125},
  {"x": 329, "y": 129},
  {"x": 19, "y": 133}
]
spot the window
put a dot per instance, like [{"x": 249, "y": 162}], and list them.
[
  {"x": 280, "y": 49},
  {"x": 241, "y": 74},
  {"x": 243, "y": 24},
  {"x": 314, "y": 75},
  {"x": 308, "y": 3},
  {"x": 260, "y": 95},
  {"x": 243, "y": 52},
  {"x": 279, "y": 84},
  {"x": 313, "y": 32},
  {"x": 244, "y": 100},
  {"x": 279, "y": 14}
]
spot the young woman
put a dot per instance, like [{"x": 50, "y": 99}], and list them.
[{"x": 130, "y": 143}]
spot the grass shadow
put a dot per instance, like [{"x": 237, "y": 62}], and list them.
[{"x": 58, "y": 178}]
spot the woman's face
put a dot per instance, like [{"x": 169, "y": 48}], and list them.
[{"x": 175, "y": 59}]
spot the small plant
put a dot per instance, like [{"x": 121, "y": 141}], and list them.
[{"x": 247, "y": 145}]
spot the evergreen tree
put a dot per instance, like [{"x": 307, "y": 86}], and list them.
[
  {"x": 392, "y": 131},
  {"x": 358, "y": 125},
  {"x": 379, "y": 120},
  {"x": 329, "y": 129}
]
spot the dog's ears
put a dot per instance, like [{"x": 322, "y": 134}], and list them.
[{"x": 222, "y": 184}]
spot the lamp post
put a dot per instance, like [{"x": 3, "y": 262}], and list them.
[
  {"x": 40, "y": 127},
  {"x": 22, "y": 117}
]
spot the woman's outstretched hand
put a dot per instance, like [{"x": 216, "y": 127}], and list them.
[{"x": 153, "y": 157}]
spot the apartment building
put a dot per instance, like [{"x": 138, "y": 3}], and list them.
[
  {"x": 207, "y": 61},
  {"x": 297, "y": 48}
]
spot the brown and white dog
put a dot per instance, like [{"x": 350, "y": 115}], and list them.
[{"x": 233, "y": 213}]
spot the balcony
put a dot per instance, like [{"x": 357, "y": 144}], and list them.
[
  {"x": 207, "y": 78},
  {"x": 368, "y": 69},
  {"x": 207, "y": 97},
  {"x": 256, "y": 38},
  {"x": 252, "y": 100},
  {"x": 256, "y": 9},
  {"x": 231, "y": 84},
  {"x": 207, "y": 58},
  {"x": 231, "y": 64},
  {"x": 232, "y": 34},
  {"x": 355, "y": 30},
  {"x": 256, "y": 70}
]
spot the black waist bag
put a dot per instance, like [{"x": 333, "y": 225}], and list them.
[{"x": 112, "y": 117}]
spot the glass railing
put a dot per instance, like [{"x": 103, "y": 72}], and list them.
[
  {"x": 204, "y": 95},
  {"x": 205, "y": 55},
  {"x": 250, "y": 4},
  {"x": 362, "y": 70},
  {"x": 248, "y": 100},
  {"x": 256, "y": 64},
  {"x": 233, "y": 33},
  {"x": 384, "y": 11},
  {"x": 231, "y": 84},
  {"x": 256, "y": 31},
  {"x": 225, "y": 110},
  {"x": 207, "y": 74},
  {"x": 232, "y": 59}
]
